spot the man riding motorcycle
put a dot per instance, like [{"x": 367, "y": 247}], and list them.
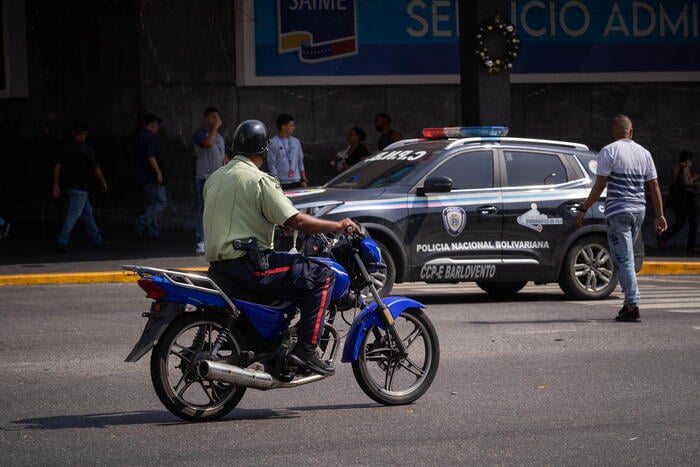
[{"x": 242, "y": 205}]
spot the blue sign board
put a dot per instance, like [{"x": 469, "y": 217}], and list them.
[
  {"x": 578, "y": 36},
  {"x": 417, "y": 41}
]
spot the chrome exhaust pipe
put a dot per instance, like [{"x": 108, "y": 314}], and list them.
[
  {"x": 236, "y": 375},
  {"x": 248, "y": 377}
]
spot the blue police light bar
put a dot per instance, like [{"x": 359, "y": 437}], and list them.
[{"x": 465, "y": 131}]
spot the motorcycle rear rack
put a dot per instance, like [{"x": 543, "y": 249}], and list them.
[{"x": 187, "y": 280}]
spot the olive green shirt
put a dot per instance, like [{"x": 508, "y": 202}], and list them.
[{"x": 241, "y": 201}]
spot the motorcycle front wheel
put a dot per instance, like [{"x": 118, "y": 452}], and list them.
[
  {"x": 390, "y": 378},
  {"x": 186, "y": 342}
]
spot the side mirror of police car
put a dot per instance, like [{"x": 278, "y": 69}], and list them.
[{"x": 436, "y": 185}]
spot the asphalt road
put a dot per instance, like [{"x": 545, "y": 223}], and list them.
[{"x": 535, "y": 381}]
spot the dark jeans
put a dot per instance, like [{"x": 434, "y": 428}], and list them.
[
  {"x": 690, "y": 212},
  {"x": 79, "y": 207},
  {"x": 289, "y": 277},
  {"x": 154, "y": 201}
]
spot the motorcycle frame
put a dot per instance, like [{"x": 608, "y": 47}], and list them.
[{"x": 204, "y": 291}]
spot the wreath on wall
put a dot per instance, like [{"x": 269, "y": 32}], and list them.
[{"x": 511, "y": 44}]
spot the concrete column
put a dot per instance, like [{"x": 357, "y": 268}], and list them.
[{"x": 485, "y": 97}]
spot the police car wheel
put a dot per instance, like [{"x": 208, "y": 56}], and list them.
[
  {"x": 383, "y": 280},
  {"x": 588, "y": 272},
  {"x": 501, "y": 289}
]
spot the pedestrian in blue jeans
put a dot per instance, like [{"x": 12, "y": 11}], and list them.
[
  {"x": 625, "y": 167},
  {"x": 150, "y": 175},
  {"x": 211, "y": 154},
  {"x": 74, "y": 168}
]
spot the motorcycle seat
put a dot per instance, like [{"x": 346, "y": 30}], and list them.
[{"x": 235, "y": 292}]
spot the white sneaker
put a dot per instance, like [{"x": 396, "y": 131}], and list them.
[{"x": 200, "y": 248}]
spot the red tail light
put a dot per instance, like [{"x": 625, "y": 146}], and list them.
[{"x": 152, "y": 289}]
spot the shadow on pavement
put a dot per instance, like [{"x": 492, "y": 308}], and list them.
[
  {"x": 102, "y": 420},
  {"x": 151, "y": 417}
]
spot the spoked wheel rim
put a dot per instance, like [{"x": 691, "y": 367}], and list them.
[
  {"x": 386, "y": 369},
  {"x": 593, "y": 267},
  {"x": 190, "y": 346}
]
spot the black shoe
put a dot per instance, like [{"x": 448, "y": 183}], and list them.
[
  {"x": 628, "y": 314},
  {"x": 61, "y": 248},
  {"x": 305, "y": 356}
]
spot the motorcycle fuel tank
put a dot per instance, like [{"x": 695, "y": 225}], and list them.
[{"x": 342, "y": 280}]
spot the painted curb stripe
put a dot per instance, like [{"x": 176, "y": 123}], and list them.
[
  {"x": 670, "y": 268},
  {"x": 75, "y": 277}
]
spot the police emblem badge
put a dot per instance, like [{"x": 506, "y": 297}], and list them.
[{"x": 454, "y": 219}]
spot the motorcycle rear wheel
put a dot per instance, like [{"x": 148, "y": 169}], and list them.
[
  {"x": 388, "y": 378},
  {"x": 174, "y": 375}
]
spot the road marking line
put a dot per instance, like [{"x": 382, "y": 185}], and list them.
[
  {"x": 656, "y": 304},
  {"x": 548, "y": 331}
]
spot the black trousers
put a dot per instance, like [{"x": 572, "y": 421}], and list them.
[
  {"x": 294, "y": 277},
  {"x": 689, "y": 212}
]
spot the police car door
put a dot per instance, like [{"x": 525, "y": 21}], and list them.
[
  {"x": 535, "y": 202},
  {"x": 454, "y": 235}
]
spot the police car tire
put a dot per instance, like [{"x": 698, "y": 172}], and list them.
[
  {"x": 387, "y": 259},
  {"x": 568, "y": 282},
  {"x": 501, "y": 289}
]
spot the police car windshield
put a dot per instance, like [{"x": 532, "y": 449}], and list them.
[{"x": 385, "y": 168}]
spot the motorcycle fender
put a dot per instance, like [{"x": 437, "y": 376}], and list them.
[
  {"x": 368, "y": 318},
  {"x": 155, "y": 327}
]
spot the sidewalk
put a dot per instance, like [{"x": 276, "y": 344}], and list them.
[{"x": 28, "y": 261}]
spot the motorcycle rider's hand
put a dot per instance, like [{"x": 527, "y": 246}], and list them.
[{"x": 347, "y": 226}]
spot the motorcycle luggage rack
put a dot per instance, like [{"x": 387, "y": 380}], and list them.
[{"x": 187, "y": 280}]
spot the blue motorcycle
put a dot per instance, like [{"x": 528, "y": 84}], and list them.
[{"x": 209, "y": 346}]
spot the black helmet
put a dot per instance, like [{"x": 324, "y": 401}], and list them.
[{"x": 250, "y": 138}]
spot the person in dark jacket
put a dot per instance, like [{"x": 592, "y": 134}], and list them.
[
  {"x": 150, "y": 176},
  {"x": 73, "y": 170}
]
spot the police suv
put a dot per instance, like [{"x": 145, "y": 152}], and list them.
[{"x": 470, "y": 204}]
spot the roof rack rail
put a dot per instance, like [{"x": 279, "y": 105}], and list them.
[
  {"x": 567, "y": 144},
  {"x": 400, "y": 143}
]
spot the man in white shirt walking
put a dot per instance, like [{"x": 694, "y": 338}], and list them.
[{"x": 625, "y": 167}]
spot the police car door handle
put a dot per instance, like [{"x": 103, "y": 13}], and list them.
[{"x": 485, "y": 210}]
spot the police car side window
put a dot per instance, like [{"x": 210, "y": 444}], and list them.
[
  {"x": 532, "y": 168},
  {"x": 469, "y": 170}
]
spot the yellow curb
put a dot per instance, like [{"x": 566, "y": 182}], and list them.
[
  {"x": 670, "y": 267},
  {"x": 75, "y": 277}
]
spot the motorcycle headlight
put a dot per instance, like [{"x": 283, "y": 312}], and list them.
[{"x": 370, "y": 254}]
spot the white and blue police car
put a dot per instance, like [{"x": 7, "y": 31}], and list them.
[{"x": 469, "y": 204}]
